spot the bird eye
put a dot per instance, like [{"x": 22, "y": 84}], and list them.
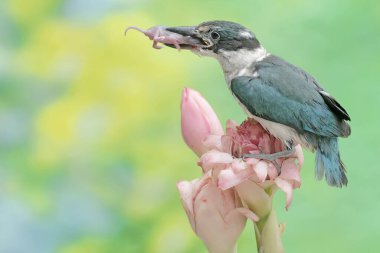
[{"x": 215, "y": 35}]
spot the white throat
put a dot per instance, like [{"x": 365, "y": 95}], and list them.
[
  {"x": 237, "y": 63},
  {"x": 243, "y": 58}
]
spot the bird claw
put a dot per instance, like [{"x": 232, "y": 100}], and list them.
[{"x": 272, "y": 157}]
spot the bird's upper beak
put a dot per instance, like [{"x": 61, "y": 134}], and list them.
[
  {"x": 185, "y": 36},
  {"x": 182, "y": 30}
]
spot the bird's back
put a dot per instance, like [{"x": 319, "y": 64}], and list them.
[{"x": 283, "y": 93}]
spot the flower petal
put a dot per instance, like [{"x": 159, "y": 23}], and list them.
[
  {"x": 252, "y": 161},
  {"x": 238, "y": 165},
  {"x": 226, "y": 143},
  {"x": 272, "y": 171},
  {"x": 290, "y": 172},
  {"x": 214, "y": 158},
  {"x": 248, "y": 213},
  {"x": 265, "y": 144},
  {"x": 286, "y": 187},
  {"x": 261, "y": 170},
  {"x": 188, "y": 191},
  {"x": 299, "y": 155},
  {"x": 227, "y": 178},
  {"x": 231, "y": 127},
  {"x": 213, "y": 142},
  {"x": 217, "y": 222}
]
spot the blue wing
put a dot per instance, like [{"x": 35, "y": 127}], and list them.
[{"x": 285, "y": 94}]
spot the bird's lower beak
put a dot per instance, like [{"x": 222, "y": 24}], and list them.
[{"x": 185, "y": 36}]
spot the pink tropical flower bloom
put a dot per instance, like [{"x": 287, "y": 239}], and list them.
[
  {"x": 216, "y": 216},
  {"x": 233, "y": 189},
  {"x": 251, "y": 138},
  {"x": 198, "y": 121}
]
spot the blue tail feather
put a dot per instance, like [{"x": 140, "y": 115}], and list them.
[{"x": 328, "y": 163}]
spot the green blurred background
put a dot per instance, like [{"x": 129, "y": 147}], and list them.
[{"x": 90, "y": 143}]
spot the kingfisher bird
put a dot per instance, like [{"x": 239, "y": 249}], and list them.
[{"x": 286, "y": 100}]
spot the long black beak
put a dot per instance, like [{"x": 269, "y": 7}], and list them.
[
  {"x": 189, "y": 40},
  {"x": 183, "y": 30}
]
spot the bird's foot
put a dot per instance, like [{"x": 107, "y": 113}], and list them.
[{"x": 273, "y": 157}]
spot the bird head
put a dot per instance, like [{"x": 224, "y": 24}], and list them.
[
  {"x": 233, "y": 45},
  {"x": 217, "y": 37}
]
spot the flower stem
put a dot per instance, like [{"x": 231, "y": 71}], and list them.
[
  {"x": 259, "y": 201},
  {"x": 268, "y": 235}
]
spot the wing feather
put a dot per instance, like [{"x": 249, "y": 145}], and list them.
[{"x": 285, "y": 96}]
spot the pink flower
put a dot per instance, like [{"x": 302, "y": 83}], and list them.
[
  {"x": 216, "y": 216},
  {"x": 251, "y": 137},
  {"x": 233, "y": 189},
  {"x": 198, "y": 121}
]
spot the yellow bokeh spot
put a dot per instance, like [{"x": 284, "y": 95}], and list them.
[{"x": 26, "y": 12}]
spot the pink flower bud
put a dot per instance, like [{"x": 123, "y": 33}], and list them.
[
  {"x": 216, "y": 216},
  {"x": 198, "y": 121}
]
